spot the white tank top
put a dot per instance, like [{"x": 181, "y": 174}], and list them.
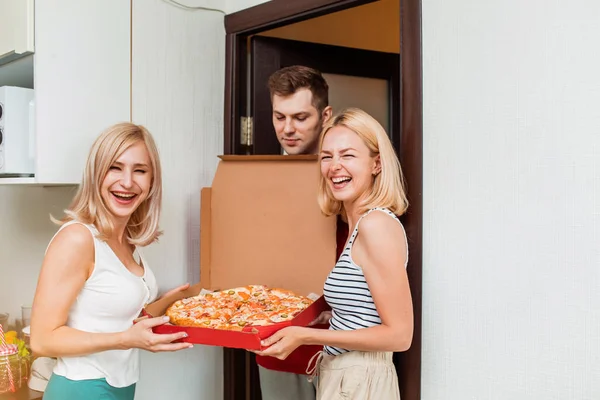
[{"x": 109, "y": 301}]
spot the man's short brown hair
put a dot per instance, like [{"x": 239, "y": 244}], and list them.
[{"x": 288, "y": 80}]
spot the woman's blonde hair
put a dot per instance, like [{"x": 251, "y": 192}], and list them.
[
  {"x": 89, "y": 207},
  {"x": 388, "y": 185}
]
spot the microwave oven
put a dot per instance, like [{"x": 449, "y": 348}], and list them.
[{"x": 17, "y": 147}]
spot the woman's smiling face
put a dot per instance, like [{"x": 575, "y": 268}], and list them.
[
  {"x": 128, "y": 182},
  {"x": 347, "y": 164}
]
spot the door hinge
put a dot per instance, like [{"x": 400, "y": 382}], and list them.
[{"x": 247, "y": 132}]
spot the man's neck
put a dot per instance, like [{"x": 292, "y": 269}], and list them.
[{"x": 314, "y": 150}]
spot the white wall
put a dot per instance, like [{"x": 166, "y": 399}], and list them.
[
  {"x": 237, "y": 5},
  {"x": 511, "y": 268},
  {"x": 25, "y": 230},
  {"x": 178, "y": 79},
  {"x": 228, "y": 6}
]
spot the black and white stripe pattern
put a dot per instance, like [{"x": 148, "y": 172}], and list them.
[{"x": 347, "y": 293}]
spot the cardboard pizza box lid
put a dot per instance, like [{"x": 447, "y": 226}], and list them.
[{"x": 261, "y": 224}]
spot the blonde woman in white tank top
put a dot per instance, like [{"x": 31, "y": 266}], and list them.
[
  {"x": 368, "y": 288},
  {"x": 94, "y": 281}
]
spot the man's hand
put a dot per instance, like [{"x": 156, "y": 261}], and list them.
[
  {"x": 323, "y": 318},
  {"x": 173, "y": 291}
]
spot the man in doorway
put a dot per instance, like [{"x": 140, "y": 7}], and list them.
[{"x": 300, "y": 102}]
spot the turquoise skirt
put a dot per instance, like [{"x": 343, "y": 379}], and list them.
[{"x": 61, "y": 388}]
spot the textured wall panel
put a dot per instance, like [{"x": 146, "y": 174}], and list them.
[{"x": 511, "y": 265}]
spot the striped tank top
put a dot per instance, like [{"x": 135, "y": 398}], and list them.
[{"x": 347, "y": 292}]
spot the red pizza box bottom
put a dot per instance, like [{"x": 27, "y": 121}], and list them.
[{"x": 249, "y": 338}]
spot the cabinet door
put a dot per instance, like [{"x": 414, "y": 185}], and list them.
[
  {"x": 81, "y": 79},
  {"x": 16, "y": 29}
]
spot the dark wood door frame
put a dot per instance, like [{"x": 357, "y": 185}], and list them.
[{"x": 275, "y": 13}]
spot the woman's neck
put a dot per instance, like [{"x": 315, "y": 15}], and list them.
[
  {"x": 351, "y": 215},
  {"x": 119, "y": 228}
]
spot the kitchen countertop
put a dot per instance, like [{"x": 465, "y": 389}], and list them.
[{"x": 23, "y": 394}]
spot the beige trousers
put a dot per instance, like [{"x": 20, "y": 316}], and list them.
[{"x": 357, "y": 375}]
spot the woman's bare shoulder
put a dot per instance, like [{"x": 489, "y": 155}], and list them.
[
  {"x": 381, "y": 223},
  {"x": 382, "y": 233},
  {"x": 75, "y": 237}
]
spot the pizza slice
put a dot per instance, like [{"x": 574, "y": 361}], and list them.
[
  {"x": 243, "y": 319},
  {"x": 201, "y": 312},
  {"x": 285, "y": 314},
  {"x": 288, "y": 298},
  {"x": 243, "y": 294}
]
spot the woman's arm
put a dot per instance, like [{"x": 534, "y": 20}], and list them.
[
  {"x": 67, "y": 265},
  {"x": 380, "y": 249}
]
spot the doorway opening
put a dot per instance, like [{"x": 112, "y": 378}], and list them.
[{"x": 370, "y": 54}]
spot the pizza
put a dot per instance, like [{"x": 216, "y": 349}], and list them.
[{"x": 238, "y": 308}]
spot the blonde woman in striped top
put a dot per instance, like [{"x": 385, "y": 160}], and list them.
[{"x": 368, "y": 289}]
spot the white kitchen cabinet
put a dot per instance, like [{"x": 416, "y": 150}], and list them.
[
  {"x": 16, "y": 29},
  {"x": 82, "y": 81},
  {"x": 81, "y": 78}
]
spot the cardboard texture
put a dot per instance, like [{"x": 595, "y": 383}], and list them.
[{"x": 260, "y": 224}]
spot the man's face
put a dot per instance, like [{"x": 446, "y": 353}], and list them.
[{"x": 297, "y": 122}]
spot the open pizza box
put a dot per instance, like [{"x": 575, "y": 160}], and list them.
[{"x": 260, "y": 225}]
